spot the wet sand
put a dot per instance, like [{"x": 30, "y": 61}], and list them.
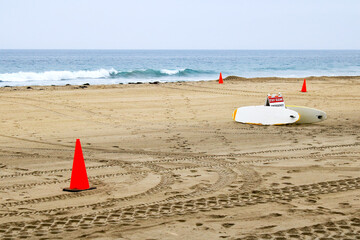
[{"x": 169, "y": 162}]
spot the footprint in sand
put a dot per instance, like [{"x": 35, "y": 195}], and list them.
[
  {"x": 217, "y": 216},
  {"x": 345, "y": 205},
  {"x": 228, "y": 225},
  {"x": 268, "y": 227},
  {"x": 275, "y": 215}
]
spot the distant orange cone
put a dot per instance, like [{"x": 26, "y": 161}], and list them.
[
  {"x": 303, "y": 89},
  {"x": 220, "y": 79},
  {"x": 79, "y": 180}
]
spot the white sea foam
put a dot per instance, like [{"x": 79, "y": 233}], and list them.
[
  {"x": 55, "y": 75},
  {"x": 171, "y": 72}
]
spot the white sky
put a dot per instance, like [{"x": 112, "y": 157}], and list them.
[{"x": 179, "y": 24}]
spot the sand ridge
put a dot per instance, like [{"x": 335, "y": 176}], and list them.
[{"x": 169, "y": 162}]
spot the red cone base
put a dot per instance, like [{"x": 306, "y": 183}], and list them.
[
  {"x": 79, "y": 180},
  {"x": 220, "y": 79},
  {"x": 303, "y": 89},
  {"x": 77, "y": 190}
]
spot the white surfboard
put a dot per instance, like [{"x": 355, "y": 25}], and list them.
[
  {"x": 308, "y": 115},
  {"x": 265, "y": 115}
]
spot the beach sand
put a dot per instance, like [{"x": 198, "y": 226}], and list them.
[{"x": 169, "y": 162}]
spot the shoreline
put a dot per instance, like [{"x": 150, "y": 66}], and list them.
[{"x": 226, "y": 79}]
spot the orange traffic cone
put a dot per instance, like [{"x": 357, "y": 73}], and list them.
[
  {"x": 220, "y": 79},
  {"x": 79, "y": 180},
  {"x": 303, "y": 89}
]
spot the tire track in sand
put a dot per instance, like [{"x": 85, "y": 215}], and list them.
[
  {"x": 166, "y": 209},
  {"x": 343, "y": 229}
]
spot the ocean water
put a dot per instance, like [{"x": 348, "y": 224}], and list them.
[{"x": 60, "y": 67}]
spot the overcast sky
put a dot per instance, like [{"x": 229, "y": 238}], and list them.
[{"x": 179, "y": 24}]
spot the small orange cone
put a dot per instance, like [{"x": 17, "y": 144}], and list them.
[
  {"x": 79, "y": 180},
  {"x": 220, "y": 79},
  {"x": 303, "y": 89}
]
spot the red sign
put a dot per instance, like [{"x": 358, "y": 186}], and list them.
[{"x": 276, "y": 99}]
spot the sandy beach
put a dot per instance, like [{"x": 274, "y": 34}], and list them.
[{"x": 169, "y": 162}]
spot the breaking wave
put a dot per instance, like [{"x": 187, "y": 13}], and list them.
[
  {"x": 99, "y": 74},
  {"x": 151, "y": 73},
  {"x": 54, "y": 75}
]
